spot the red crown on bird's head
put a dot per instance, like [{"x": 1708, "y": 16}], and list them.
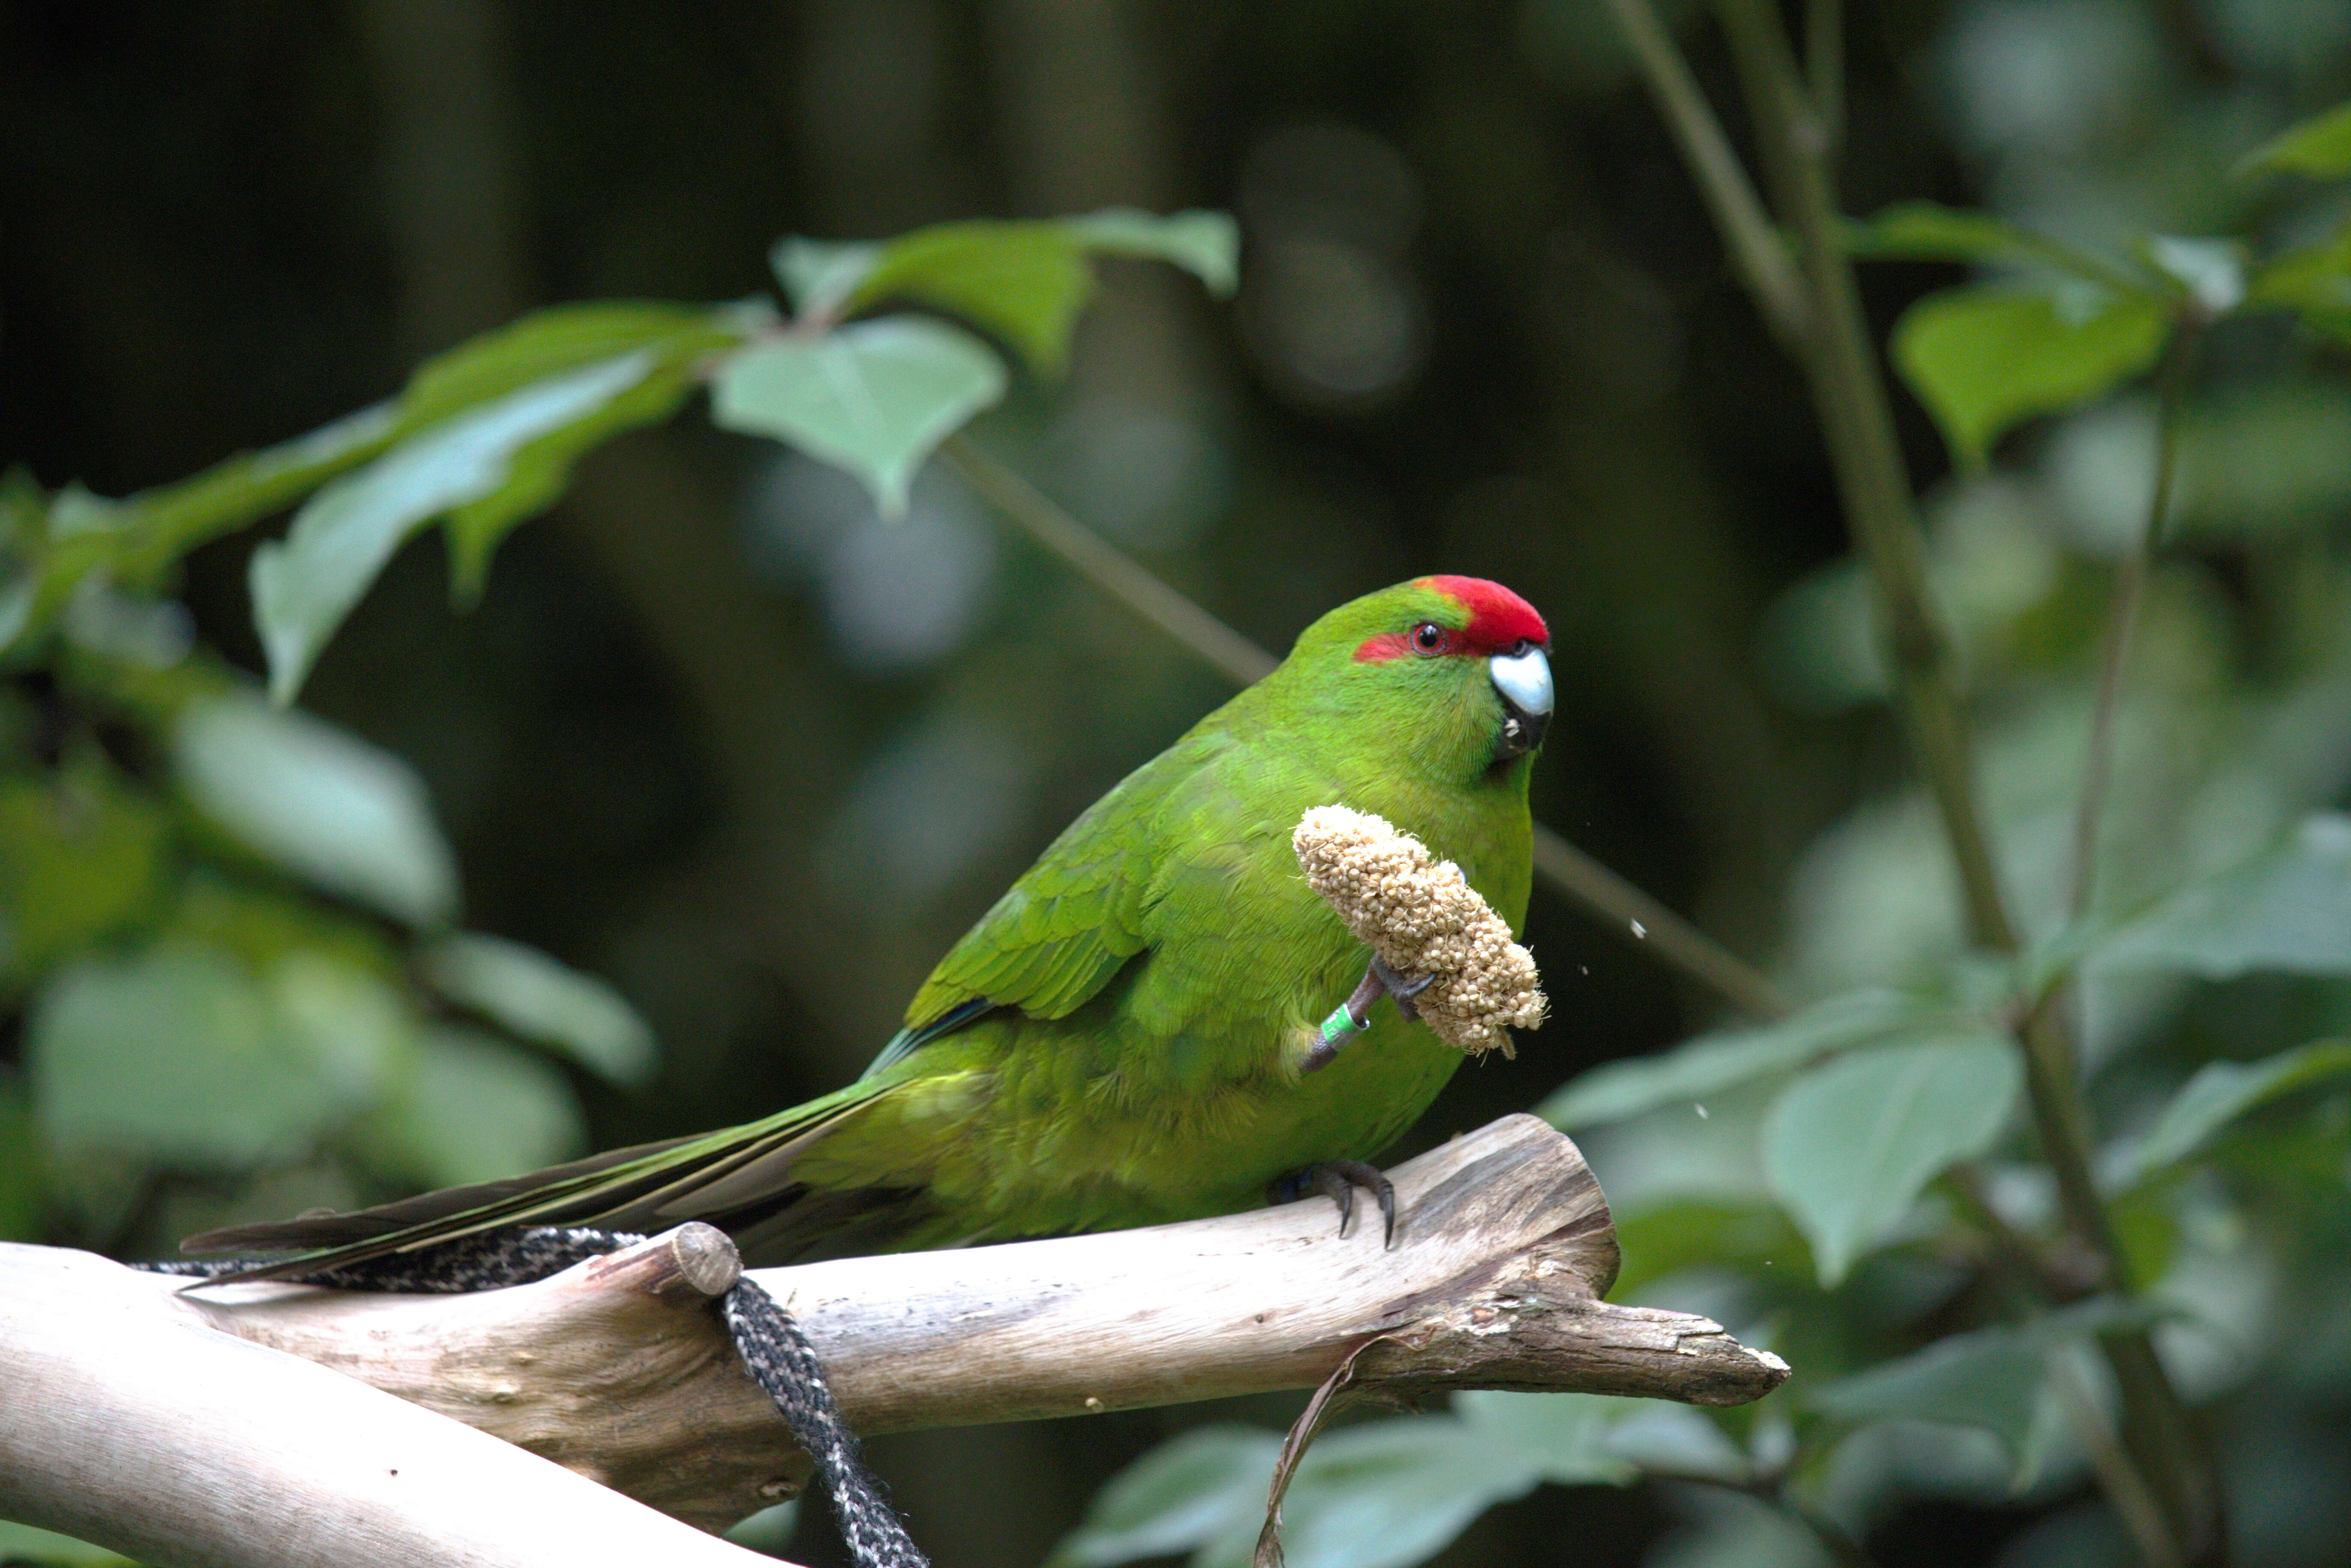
[{"x": 1499, "y": 621}]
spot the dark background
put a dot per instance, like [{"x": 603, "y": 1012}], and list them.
[{"x": 715, "y": 735}]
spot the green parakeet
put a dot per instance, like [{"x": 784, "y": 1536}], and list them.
[{"x": 1125, "y": 1037}]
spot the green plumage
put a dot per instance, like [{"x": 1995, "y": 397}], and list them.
[{"x": 1118, "y": 1041}]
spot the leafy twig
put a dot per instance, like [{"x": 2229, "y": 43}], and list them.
[
  {"x": 1857, "y": 421},
  {"x": 1107, "y": 566},
  {"x": 1560, "y": 864}
]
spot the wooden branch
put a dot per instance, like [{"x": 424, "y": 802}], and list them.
[
  {"x": 129, "y": 1422},
  {"x": 612, "y": 1370}
]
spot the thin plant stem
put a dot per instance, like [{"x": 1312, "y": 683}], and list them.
[
  {"x": 1824, "y": 64},
  {"x": 1568, "y": 870},
  {"x": 2121, "y": 618},
  {"x": 1756, "y": 247},
  {"x": 1107, "y": 566},
  {"x": 2125, "y": 1490},
  {"x": 1856, "y": 418},
  {"x": 2031, "y": 1285},
  {"x": 1652, "y": 925}
]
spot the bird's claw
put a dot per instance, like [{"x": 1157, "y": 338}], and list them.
[
  {"x": 1403, "y": 988},
  {"x": 1337, "y": 1179}
]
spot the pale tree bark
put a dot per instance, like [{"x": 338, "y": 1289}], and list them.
[{"x": 213, "y": 1425}]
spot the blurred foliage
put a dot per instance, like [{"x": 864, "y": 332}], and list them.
[
  {"x": 1885, "y": 1125},
  {"x": 735, "y": 736}
]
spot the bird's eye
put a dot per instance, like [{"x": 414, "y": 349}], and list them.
[{"x": 1428, "y": 637}]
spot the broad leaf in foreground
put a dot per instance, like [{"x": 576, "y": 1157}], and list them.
[
  {"x": 542, "y": 1000},
  {"x": 1990, "y": 1379},
  {"x": 2319, "y": 147},
  {"x": 2217, "y": 1095},
  {"x": 1851, "y": 1143},
  {"x": 1929, "y": 231},
  {"x": 1209, "y": 1482},
  {"x": 237, "y": 1090},
  {"x": 322, "y": 803},
  {"x": 476, "y": 1109},
  {"x": 24, "y": 1544},
  {"x": 1983, "y": 358},
  {"x": 552, "y": 342},
  {"x": 2286, "y": 910},
  {"x": 304, "y": 586},
  {"x": 873, "y": 397},
  {"x": 1391, "y": 1493},
  {"x": 1712, "y": 1063},
  {"x": 1024, "y": 280}
]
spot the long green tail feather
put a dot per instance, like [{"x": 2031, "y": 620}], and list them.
[{"x": 706, "y": 1175}]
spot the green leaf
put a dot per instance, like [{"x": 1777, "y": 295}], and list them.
[
  {"x": 24, "y": 1544},
  {"x": 1696, "y": 1233},
  {"x": 352, "y": 1031},
  {"x": 545, "y": 343},
  {"x": 2286, "y": 910},
  {"x": 1712, "y": 1063},
  {"x": 261, "y": 926},
  {"x": 322, "y": 803},
  {"x": 1209, "y": 1482},
  {"x": 21, "y": 1175},
  {"x": 1388, "y": 1494},
  {"x": 542, "y": 471},
  {"x": 176, "y": 1055},
  {"x": 1929, "y": 231},
  {"x": 2320, "y": 148},
  {"x": 476, "y": 1109},
  {"x": 1850, "y": 1145},
  {"x": 1567, "y": 1437},
  {"x": 542, "y": 1000},
  {"x": 768, "y": 1531},
  {"x": 1982, "y": 358},
  {"x": 1990, "y": 1379},
  {"x": 2217, "y": 1095},
  {"x": 2314, "y": 282},
  {"x": 548, "y": 343},
  {"x": 81, "y": 858},
  {"x": 1025, "y": 281},
  {"x": 1206, "y": 245},
  {"x": 873, "y": 397},
  {"x": 819, "y": 275},
  {"x": 1658, "y": 1439},
  {"x": 304, "y": 586}
]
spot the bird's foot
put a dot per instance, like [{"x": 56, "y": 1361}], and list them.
[
  {"x": 1402, "y": 987},
  {"x": 1337, "y": 1179},
  {"x": 1353, "y": 1016}
]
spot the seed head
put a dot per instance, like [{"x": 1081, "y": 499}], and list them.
[{"x": 1422, "y": 917}]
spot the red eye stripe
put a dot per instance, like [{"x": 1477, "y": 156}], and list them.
[
  {"x": 1396, "y": 644},
  {"x": 1498, "y": 619}
]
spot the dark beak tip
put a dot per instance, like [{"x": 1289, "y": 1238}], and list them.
[{"x": 1521, "y": 731}]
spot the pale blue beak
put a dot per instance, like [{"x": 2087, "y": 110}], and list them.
[{"x": 1524, "y": 679}]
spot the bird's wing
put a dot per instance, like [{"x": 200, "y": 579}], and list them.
[{"x": 1071, "y": 921}]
